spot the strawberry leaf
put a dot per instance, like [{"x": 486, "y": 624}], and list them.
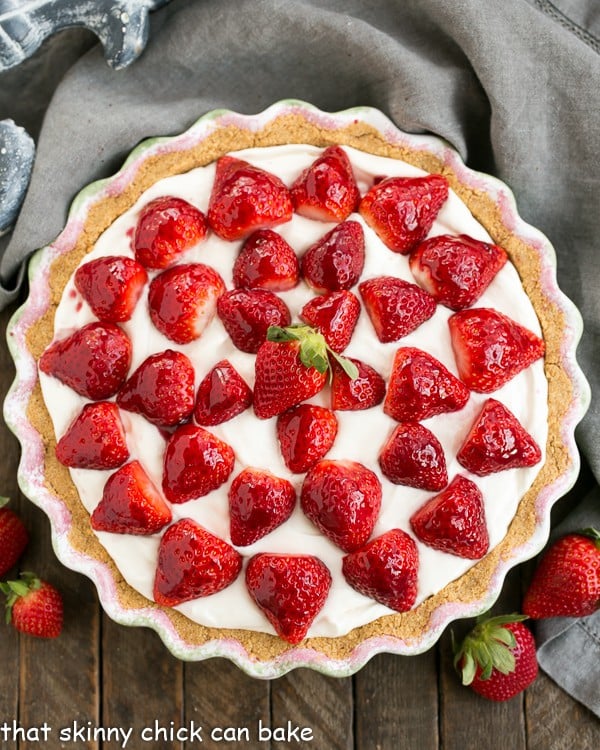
[{"x": 314, "y": 350}]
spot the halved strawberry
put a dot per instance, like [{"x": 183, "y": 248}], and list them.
[
  {"x": 166, "y": 228},
  {"x": 385, "y": 569},
  {"x": 456, "y": 271},
  {"x": 401, "y": 210},
  {"x": 161, "y": 389},
  {"x": 326, "y": 190},
  {"x": 222, "y": 395},
  {"x": 93, "y": 361},
  {"x": 497, "y": 441},
  {"x": 364, "y": 391},
  {"x": 336, "y": 260},
  {"x": 421, "y": 386},
  {"x": 258, "y": 503},
  {"x": 95, "y": 439},
  {"x": 335, "y": 315},
  {"x": 290, "y": 589},
  {"x": 342, "y": 499},
  {"x": 245, "y": 198},
  {"x": 183, "y": 300},
  {"x": 196, "y": 462},
  {"x": 111, "y": 286},
  {"x": 192, "y": 563},
  {"x": 454, "y": 521},
  {"x": 266, "y": 261},
  {"x": 131, "y": 504},
  {"x": 395, "y": 307},
  {"x": 413, "y": 456},
  {"x": 305, "y": 432},
  {"x": 247, "y": 315},
  {"x": 491, "y": 348}
]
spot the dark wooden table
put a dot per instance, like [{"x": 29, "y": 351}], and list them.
[{"x": 98, "y": 674}]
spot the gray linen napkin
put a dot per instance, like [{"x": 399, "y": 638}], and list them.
[{"x": 514, "y": 86}]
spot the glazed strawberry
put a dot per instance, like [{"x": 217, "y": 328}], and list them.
[
  {"x": 93, "y": 361},
  {"x": 183, "y": 300},
  {"x": 497, "y": 659},
  {"x": 421, "y": 386},
  {"x": 33, "y": 606},
  {"x": 305, "y": 433},
  {"x": 336, "y": 260},
  {"x": 14, "y": 537},
  {"x": 335, "y": 315},
  {"x": 196, "y": 462},
  {"x": 395, "y": 307},
  {"x": 247, "y": 315},
  {"x": 192, "y": 563},
  {"x": 326, "y": 190},
  {"x": 414, "y": 457},
  {"x": 161, "y": 389},
  {"x": 497, "y": 441},
  {"x": 401, "y": 210},
  {"x": 491, "y": 348},
  {"x": 385, "y": 569},
  {"x": 111, "y": 286},
  {"x": 290, "y": 589},
  {"x": 258, "y": 503},
  {"x": 454, "y": 521},
  {"x": 166, "y": 228},
  {"x": 131, "y": 504},
  {"x": 364, "y": 391},
  {"x": 222, "y": 395},
  {"x": 245, "y": 198},
  {"x": 266, "y": 261},
  {"x": 342, "y": 499},
  {"x": 95, "y": 439},
  {"x": 456, "y": 271},
  {"x": 566, "y": 582}
]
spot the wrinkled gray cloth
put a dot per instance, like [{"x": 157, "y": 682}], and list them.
[{"x": 513, "y": 85}]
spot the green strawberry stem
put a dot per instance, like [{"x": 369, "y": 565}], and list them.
[
  {"x": 4, "y": 501},
  {"x": 14, "y": 590},
  {"x": 314, "y": 350},
  {"x": 593, "y": 534}
]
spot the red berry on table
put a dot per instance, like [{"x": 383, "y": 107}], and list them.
[
  {"x": 247, "y": 314},
  {"x": 456, "y": 271},
  {"x": 326, "y": 190},
  {"x": 454, "y": 521},
  {"x": 161, "y": 389},
  {"x": 95, "y": 439},
  {"x": 420, "y": 387},
  {"x": 183, "y": 300},
  {"x": 491, "y": 348},
  {"x": 566, "y": 582},
  {"x": 414, "y": 457},
  {"x": 222, "y": 395},
  {"x": 193, "y": 562},
  {"x": 258, "y": 503},
  {"x": 401, "y": 210},
  {"x": 166, "y": 228},
  {"x": 497, "y": 659},
  {"x": 290, "y": 589},
  {"x": 93, "y": 361},
  {"x": 305, "y": 433},
  {"x": 395, "y": 307},
  {"x": 111, "y": 286},
  {"x": 497, "y": 441},
  {"x": 335, "y": 315},
  {"x": 336, "y": 260},
  {"x": 33, "y": 606},
  {"x": 245, "y": 198},
  {"x": 14, "y": 537},
  {"x": 385, "y": 569},
  {"x": 365, "y": 390},
  {"x": 266, "y": 261},
  {"x": 342, "y": 499},
  {"x": 131, "y": 504}
]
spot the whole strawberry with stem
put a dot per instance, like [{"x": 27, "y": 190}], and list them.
[
  {"x": 567, "y": 580},
  {"x": 497, "y": 659},
  {"x": 13, "y": 537},
  {"x": 33, "y": 606}
]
